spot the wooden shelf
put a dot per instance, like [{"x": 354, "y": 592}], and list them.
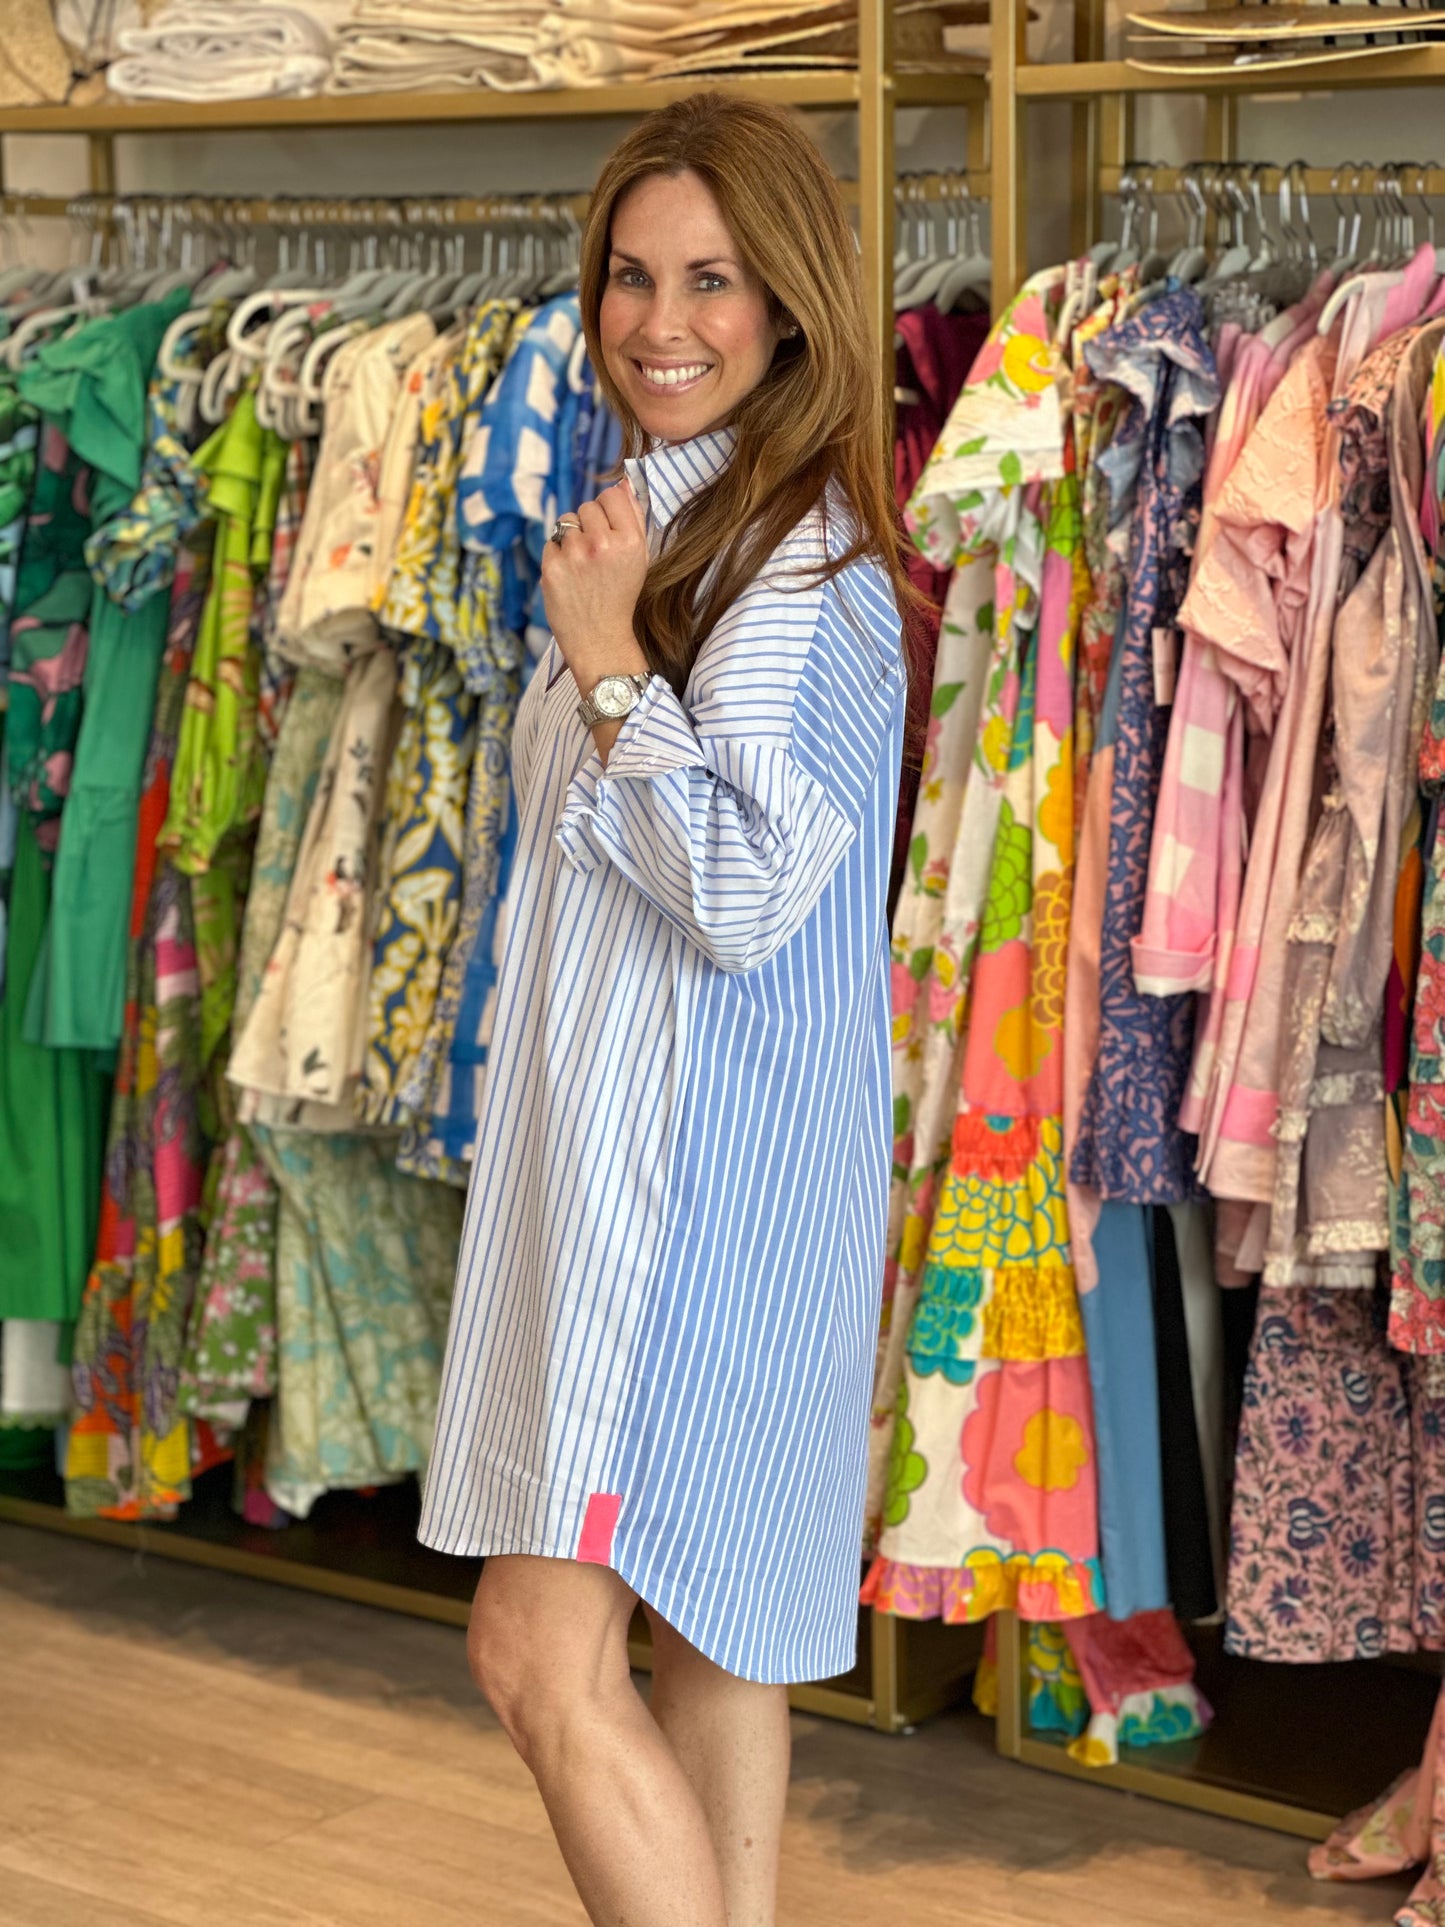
[
  {"x": 1093, "y": 79},
  {"x": 405, "y": 110}
]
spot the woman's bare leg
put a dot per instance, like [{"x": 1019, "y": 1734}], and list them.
[
  {"x": 733, "y": 1740},
  {"x": 548, "y": 1646}
]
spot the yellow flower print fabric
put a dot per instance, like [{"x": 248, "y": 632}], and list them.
[
  {"x": 420, "y": 894},
  {"x": 992, "y": 1502},
  {"x": 970, "y": 512}
]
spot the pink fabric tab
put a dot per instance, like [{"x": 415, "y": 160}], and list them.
[{"x": 594, "y": 1548}]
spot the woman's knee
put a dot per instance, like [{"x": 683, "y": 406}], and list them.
[
  {"x": 540, "y": 1646},
  {"x": 500, "y": 1653}
]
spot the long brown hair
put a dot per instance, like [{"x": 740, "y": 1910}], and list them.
[{"x": 815, "y": 419}]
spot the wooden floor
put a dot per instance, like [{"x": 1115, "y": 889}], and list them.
[{"x": 180, "y": 1746}]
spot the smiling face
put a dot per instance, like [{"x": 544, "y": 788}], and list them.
[{"x": 685, "y": 327}]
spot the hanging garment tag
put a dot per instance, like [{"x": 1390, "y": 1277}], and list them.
[{"x": 1166, "y": 666}]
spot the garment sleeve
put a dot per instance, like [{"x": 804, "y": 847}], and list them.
[
  {"x": 1377, "y": 652},
  {"x": 1247, "y": 593},
  {"x": 730, "y": 813}
]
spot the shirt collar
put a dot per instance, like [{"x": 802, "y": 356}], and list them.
[{"x": 669, "y": 475}]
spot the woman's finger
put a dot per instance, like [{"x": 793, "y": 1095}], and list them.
[
  {"x": 618, "y": 506},
  {"x": 593, "y": 518}
]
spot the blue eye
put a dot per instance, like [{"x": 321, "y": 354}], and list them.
[
  {"x": 712, "y": 283},
  {"x": 630, "y": 277}
]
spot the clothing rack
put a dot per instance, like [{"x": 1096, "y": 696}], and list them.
[
  {"x": 906, "y": 1671},
  {"x": 1226, "y": 192},
  {"x": 393, "y": 214},
  {"x": 1103, "y": 93},
  {"x": 1286, "y": 1794},
  {"x": 873, "y": 90}
]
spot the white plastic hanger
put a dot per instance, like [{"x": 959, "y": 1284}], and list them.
[
  {"x": 927, "y": 286},
  {"x": 974, "y": 271},
  {"x": 935, "y": 248}
]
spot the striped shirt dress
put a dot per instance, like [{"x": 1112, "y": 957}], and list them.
[{"x": 666, "y": 1311}]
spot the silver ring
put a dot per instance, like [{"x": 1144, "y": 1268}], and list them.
[{"x": 561, "y": 526}]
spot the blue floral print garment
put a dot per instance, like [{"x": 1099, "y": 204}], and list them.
[{"x": 1129, "y": 1146}]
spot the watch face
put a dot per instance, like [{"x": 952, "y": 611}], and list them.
[{"x": 614, "y": 696}]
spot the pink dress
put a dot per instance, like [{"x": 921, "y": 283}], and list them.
[
  {"x": 1331, "y": 1207},
  {"x": 1287, "y": 485},
  {"x": 1250, "y": 602},
  {"x": 1196, "y": 865}
]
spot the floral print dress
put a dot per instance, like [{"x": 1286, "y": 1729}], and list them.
[
  {"x": 431, "y": 777},
  {"x": 1417, "y": 1299},
  {"x": 133, "y": 1448},
  {"x": 231, "y": 1342},
  {"x": 991, "y": 1499},
  {"x": 523, "y": 465},
  {"x": 975, "y": 700}
]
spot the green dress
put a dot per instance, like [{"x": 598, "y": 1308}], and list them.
[
  {"x": 93, "y": 385},
  {"x": 52, "y": 1102},
  {"x": 220, "y": 773},
  {"x": 27, "y": 1432}
]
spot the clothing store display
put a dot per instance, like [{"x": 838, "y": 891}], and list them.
[
  {"x": 1192, "y": 575},
  {"x": 261, "y": 669},
  {"x": 298, "y": 810}
]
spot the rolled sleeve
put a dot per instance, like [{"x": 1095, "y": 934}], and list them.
[{"x": 730, "y": 840}]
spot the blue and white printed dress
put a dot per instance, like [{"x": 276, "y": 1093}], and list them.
[{"x": 666, "y": 1312}]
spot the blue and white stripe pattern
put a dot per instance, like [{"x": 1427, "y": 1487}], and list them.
[{"x": 666, "y": 1310}]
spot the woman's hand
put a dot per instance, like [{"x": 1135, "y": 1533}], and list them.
[{"x": 591, "y": 580}]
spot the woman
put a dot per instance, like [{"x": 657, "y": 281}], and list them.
[{"x": 657, "y": 1382}]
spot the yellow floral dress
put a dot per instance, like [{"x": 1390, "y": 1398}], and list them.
[{"x": 423, "y": 860}]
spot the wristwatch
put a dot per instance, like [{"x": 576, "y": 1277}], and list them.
[{"x": 612, "y": 699}]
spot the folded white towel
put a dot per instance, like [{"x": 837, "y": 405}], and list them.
[
  {"x": 202, "y": 50},
  {"x": 380, "y": 59}
]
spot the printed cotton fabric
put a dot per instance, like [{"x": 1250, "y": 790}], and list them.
[{"x": 991, "y": 1499}]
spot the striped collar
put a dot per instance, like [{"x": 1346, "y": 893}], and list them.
[{"x": 669, "y": 475}]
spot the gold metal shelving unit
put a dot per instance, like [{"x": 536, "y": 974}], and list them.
[
  {"x": 1216, "y": 1777},
  {"x": 905, "y": 1672}
]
